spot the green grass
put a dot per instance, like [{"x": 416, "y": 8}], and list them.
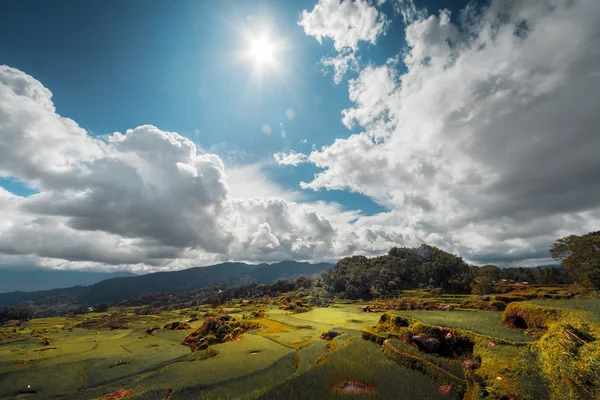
[
  {"x": 277, "y": 361},
  {"x": 361, "y": 361},
  {"x": 592, "y": 306},
  {"x": 478, "y": 321}
]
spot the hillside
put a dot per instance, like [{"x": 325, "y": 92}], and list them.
[
  {"x": 119, "y": 289},
  {"x": 32, "y": 280}
]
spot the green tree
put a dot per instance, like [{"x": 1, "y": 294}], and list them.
[
  {"x": 482, "y": 285},
  {"x": 580, "y": 255},
  {"x": 215, "y": 301},
  {"x": 490, "y": 271}
]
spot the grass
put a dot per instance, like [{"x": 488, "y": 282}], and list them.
[
  {"x": 478, "y": 321},
  {"x": 591, "y": 306},
  {"x": 361, "y": 361},
  {"x": 285, "y": 359}
]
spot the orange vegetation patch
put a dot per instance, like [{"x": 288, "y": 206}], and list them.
[
  {"x": 352, "y": 386},
  {"x": 117, "y": 394},
  {"x": 217, "y": 330}
]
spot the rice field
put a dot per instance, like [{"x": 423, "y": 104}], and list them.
[
  {"x": 478, "y": 321},
  {"x": 284, "y": 358}
]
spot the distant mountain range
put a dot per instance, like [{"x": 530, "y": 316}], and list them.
[
  {"x": 31, "y": 280},
  {"x": 116, "y": 290}
]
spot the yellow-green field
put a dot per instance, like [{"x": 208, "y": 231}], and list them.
[{"x": 283, "y": 359}]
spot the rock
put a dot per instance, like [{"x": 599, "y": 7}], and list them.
[
  {"x": 177, "y": 326},
  {"x": 152, "y": 330},
  {"x": 328, "y": 335},
  {"x": 486, "y": 298},
  {"x": 490, "y": 344},
  {"x": 469, "y": 364},
  {"x": 427, "y": 344},
  {"x": 446, "y": 308},
  {"x": 445, "y": 389}
]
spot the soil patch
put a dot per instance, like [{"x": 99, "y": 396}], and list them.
[
  {"x": 117, "y": 394},
  {"x": 352, "y": 386},
  {"x": 24, "y": 393}
]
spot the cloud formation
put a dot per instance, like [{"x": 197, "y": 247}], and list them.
[
  {"x": 291, "y": 158},
  {"x": 347, "y": 23},
  {"x": 487, "y": 144},
  {"x": 144, "y": 199}
]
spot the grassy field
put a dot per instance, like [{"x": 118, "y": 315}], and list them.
[
  {"x": 283, "y": 358},
  {"x": 592, "y": 306},
  {"x": 478, "y": 321}
]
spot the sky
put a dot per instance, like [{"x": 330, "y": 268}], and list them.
[{"x": 152, "y": 135}]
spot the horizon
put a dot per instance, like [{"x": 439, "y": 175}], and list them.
[{"x": 262, "y": 132}]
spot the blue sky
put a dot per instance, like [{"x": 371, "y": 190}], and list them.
[
  {"x": 115, "y": 65},
  {"x": 479, "y": 137}
]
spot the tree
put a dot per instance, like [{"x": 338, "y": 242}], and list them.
[
  {"x": 215, "y": 301},
  {"x": 482, "y": 285},
  {"x": 580, "y": 255},
  {"x": 490, "y": 271}
]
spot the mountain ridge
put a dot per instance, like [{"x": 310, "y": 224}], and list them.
[{"x": 117, "y": 289}]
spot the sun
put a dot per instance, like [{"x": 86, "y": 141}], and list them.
[{"x": 262, "y": 50}]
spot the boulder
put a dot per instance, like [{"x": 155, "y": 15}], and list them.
[
  {"x": 486, "y": 298},
  {"x": 426, "y": 343},
  {"x": 469, "y": 364},
  {"x": 177, "y": 326},
  {"x": 152, "y": 330},
  {"x": 446, "y": 308},
  {"x": 328, "y": 335}
]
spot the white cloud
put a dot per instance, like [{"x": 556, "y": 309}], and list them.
[
  {"x": 341, "y": 64},
  {"x": 291, "y": 158},
  {"x": 143, "y": 200},
  {"x": 346, "y": 22},
  {"x": 486, "y": 145}
]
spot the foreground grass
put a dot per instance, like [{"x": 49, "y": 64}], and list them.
[
  {"x": 282, "y": 359},
  {"x": 478, "y": 321},
  {"x": 361, "y": 361},
  {"x": 592, "y": 306}
]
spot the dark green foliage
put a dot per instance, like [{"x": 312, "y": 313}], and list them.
[
  {"x": 19, "y": 313},
  {"x": 402, "y": 268},
  {"x": 482, "y": 285},
  {"x": 581, "y": 256}
]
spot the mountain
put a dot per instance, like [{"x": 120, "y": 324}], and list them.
[
  {"x": 31, "y": 280},
  {"x": 115, "y": 290}
]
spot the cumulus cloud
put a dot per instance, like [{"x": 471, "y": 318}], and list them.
[
  {"x": 345, "y": 22},
  {"x": 291, "y": 158},
  {"x": 341, "y": 64},
  {"x": 141, "y": 200},
  {"x": 487, "y": 143}
]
